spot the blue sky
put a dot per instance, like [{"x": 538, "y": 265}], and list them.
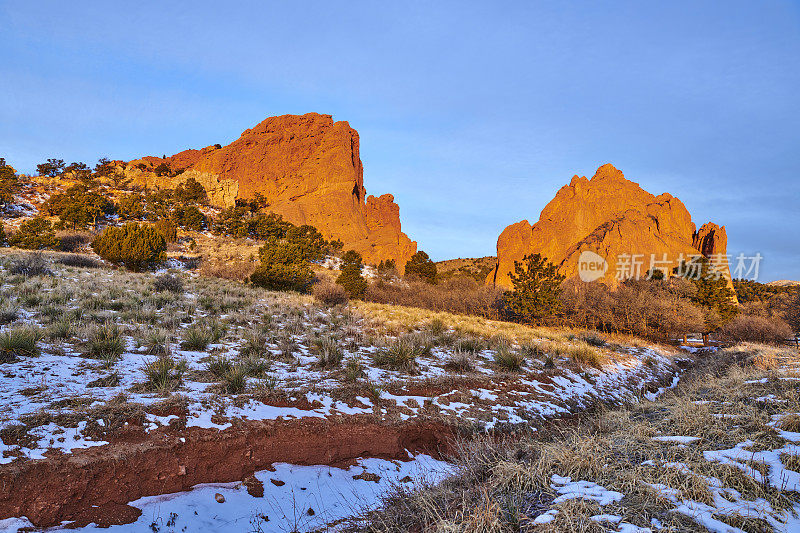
[{"x": 472, "y": 114}]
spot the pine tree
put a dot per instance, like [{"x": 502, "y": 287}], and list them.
[
  {"x": 536, "y": 290},
  {"x": 350, "y": 277},
  {"x": 420, "y": 265},
  {"x": 713, "y": 293},
  {"x": 8, "y": 182}
]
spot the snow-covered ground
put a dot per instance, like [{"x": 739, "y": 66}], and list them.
[
  {"x": 61, "y": 383},
  {"x": 62, "y": 400},
  {"x": 753, "y": 485},
  {"x": 295, "y": 498}
]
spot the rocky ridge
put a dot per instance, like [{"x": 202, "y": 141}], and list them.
[
  {"x": 610, "y": 216},
  {"x": 307, "y": 168}
]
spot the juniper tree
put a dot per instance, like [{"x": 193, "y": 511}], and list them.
[
  {"x": 79, "y": 206},
  {"x": 283, "y": 267},
  {"x": 713, "y": 293},
  {"x": 51, "y": 168},
  {"x": 191, "y": 192},
  {"x": 137, "y": 246},
  {"x": 35, "y": 234}
]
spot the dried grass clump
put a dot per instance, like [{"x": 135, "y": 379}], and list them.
[
  {"x": 329, "y": 353},
  {"x": 594, "y": 339},
  {"x": 197, "y": 338},
  {"x": 106, "y": 343},
  {"x": 61, "y": 329},
  {"x": 255, "y": 366},
  {"x": 760, "y": 356},
  {"x": 457, "y": 295},
  {"x": 509, "y": 359},
  {"x": 791, "y": 461},
  {"x": 74, "y": 241},
  {"x": 234, "y": 381},
  {"x": 287, "y": 346},
  {"x": 790, "y": 422},
  {"x": 218, "y": 366},
  {"x": 8, "y": 313},
  {"x": 469, "y": 344},
  {"x": 19, "y": 342},
  {"x": 164, "y": 374},
  {"x": 461, "y": 361},
  {"x": 436, "y": 326},
  {"x": 232, "y": 269},
  {"x": 255, "y": 343},
  {"x": 584, "y": 354},
  {"x": 354, "y": 368},
  {"x": 400, "y": 354}
]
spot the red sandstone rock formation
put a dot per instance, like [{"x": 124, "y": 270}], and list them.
[
  {"x": 611, "y": 216},
  {"x": 309, "y": 170}
]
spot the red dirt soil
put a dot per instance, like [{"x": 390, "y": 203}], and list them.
[{"x": 95, "y": 485}]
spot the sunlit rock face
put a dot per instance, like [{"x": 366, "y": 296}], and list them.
[
  {"x": 616, "y": 219},
  {"x": 308, "y": 169}
]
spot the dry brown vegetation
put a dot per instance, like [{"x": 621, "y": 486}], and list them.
[
  {"x": 457, "y": 295},
  {"x": 755, "y": 328},
  {"x": 232, "y": 270},
  {"x": 329, "y": 293},
  {"x": 504, "y": 484}
]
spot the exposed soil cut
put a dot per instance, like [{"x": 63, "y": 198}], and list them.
[{"x": 95, "y": 485}]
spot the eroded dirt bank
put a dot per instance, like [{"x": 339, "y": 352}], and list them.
[{"x": 95, "y": 485}]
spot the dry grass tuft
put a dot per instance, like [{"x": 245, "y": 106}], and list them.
[
  {"x": 583, "y": 354},
  {"x": 790, "y": 422}
]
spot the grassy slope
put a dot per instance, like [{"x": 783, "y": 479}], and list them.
[
  {"x": 236, "y": 350},
  {"x": 746, "y": 396}
]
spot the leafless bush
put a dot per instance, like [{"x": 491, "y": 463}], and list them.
[
  {"x": 169, "y": 283},
  {"x": 30, "y": 265},
  {"x": 73, "y": 242},
  {"x": 233, "y": 270},
  {"x": 81, "y": 261},
  {"x": 330, "y": 294},
  {"x": 654, "y": 309},
  {"x": 458, "y": 295},
  {"x": 755, "y": 329}
]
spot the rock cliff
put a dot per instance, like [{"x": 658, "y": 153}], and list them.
[
  {"x": 308, "y": 169},
  {"x": 616, "y": 219}
]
